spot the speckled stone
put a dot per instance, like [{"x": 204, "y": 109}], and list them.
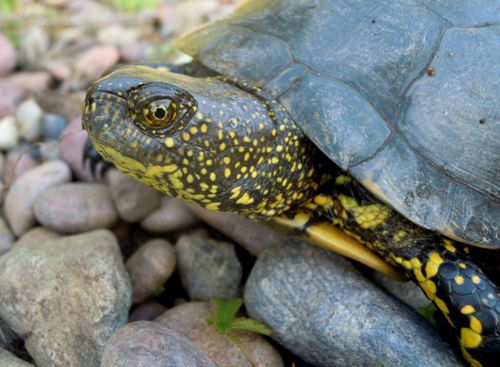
[
  {"x": 190, "y": 320},
  {"x": 65, "y": 297},
  {"x": 133, "y": 199},
  {"x": 148, "y": 344},
  {"x": 18, "y": 205},
  {"x": 76, "y": 207},
  {"x": 8, "y": 359},
  {"x": 208, "y": 268},
  {"x": 327, "y": 313},
  {"x": 149, "y": 267}
]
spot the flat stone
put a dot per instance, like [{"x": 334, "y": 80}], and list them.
[
  {"x": 7, "y": 359},
  {"x": 253, "y": 236},
  {"x": 8, "y": 60},
  {"x": 76, "y": 207},
  {"x": 146, "y": 343},
  {"x": 81, "y": 296},
  {"x": 189, "y": 319},
  {"x": 321, "y": 308},
  {"x": 172, "y": 216},
  {"x": 18, "y": 205},
  {"x": 6, "y": 237},
  {"x": 150, "y": 267},
  {"x": 208, "y": 268},
  {"x": 31, "y": 81},
  {"x": 133, "y": 199}
]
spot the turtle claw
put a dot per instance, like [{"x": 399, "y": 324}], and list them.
[{"x": 98, "y": 166}]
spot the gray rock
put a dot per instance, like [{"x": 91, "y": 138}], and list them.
[
  {"x": 36, "y": 235},
  {"x": 7, "y": 359},
  {"x": 18, "y": 206},
  {"x": 52, "y": 126},
  {"x": 173, "y": 215},
  {"x": 76, "y": 207},
  {"x": 407, "y": 292},
  {"x": 190, "y": 320},
  {"x": 6, "y": 237},
  {"x": 65, "y": 297},
  {"x": 253, "y": 236},
  {"x": 9, "y": 133},
  {"x": 28, "y": 116},
  {"x": 148, "y": 344},
  {"x": 8, "y": 60},
  {"x": 208, "y": 268},
  {"x": 149, "y": 267},
  {"x": 133, "y": 199},
  {"x": 326, "y": 312},
  {"x": 34, "y": 43}
]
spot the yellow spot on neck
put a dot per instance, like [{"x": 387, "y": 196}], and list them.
[
  {"x": 469, "y": 338},
  {"x": 169, "y": 142}
]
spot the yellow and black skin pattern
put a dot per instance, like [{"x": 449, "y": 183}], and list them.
[{"x": 229, "y": 147}]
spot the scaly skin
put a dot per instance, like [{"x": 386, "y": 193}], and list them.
[{"x": 227, "y": 146}]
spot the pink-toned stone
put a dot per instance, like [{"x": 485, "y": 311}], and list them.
[
  {"x": 189, "y": 319},
  {"x": 76, "y": 207},
  {"x": 253, "y": 236},
  {"x": 71, "y": 145},
  {"x": 18, "y": 205},
  {"x": 171, "y": 216},
  {"x": 95, "y": 61},
  {"x": 8, "y": 58},
  {"x": 36, "y": 235},
  {"x": 10, "y": 96},
  {"x": 147, "y": 311},
  {"x": 150, "y": 267},
  {"x": 33, "y": 81},
  {"x": 18, "y": 162}
]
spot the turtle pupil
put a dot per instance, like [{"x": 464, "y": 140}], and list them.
[{"x": 160, "y": 113}]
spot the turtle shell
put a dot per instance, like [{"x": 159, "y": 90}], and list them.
[{"x": 404, "y": 95}]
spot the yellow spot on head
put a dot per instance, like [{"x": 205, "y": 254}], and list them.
[
  {"x": 212, "y": 206},
  {"x": 245, "y": 199},
  {"x": 169, "y": 142},
  {"x": 227, "y": 172},
  {"x": 185, "y": 136}
]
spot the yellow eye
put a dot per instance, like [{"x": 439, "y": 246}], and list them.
[{"x": 160, "y": 113}]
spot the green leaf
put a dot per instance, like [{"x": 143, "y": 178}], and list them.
[
  {"x": 244, "y": 323},
  {"x": 224, "y": 312},
  {"x": 428, "y": 313}
]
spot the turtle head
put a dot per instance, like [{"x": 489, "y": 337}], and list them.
[{"x": 204, "y": 140}]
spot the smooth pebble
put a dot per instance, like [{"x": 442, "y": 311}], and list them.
[
  {"x": 28, "y": 116},
  {"x": 9, "y": 133},
  {"x": 150, "y": 267},
  {"x": 173, "y": 215},
  {"x": 76, "y": 207},
  {"x": 18, "y": 205}
]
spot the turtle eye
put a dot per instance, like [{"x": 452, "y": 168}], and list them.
[{"x": 160, "y": 113}]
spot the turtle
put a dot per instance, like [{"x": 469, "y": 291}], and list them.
[{"x": 365, "y": 122}]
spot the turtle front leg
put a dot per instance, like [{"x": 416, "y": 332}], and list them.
[{"x": 441, "y": 267}]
